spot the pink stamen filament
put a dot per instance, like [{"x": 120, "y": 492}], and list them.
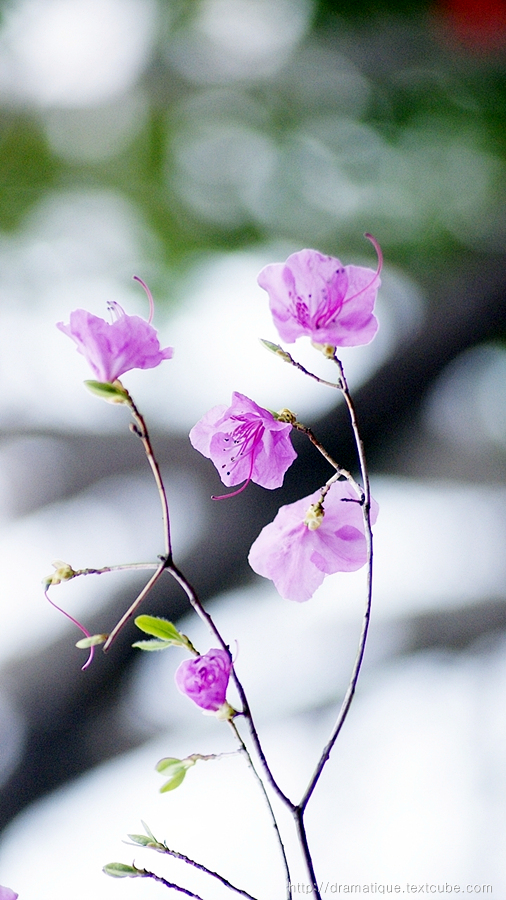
[
  {"x": 115, "y": 310},
  {"x": 377, "y": 247},
  {"x": 149, "y": 296},
  {"x": 250, "y": 435},
  {"x": 81, "y": 627},
  {"x": 242, "y": 488}
]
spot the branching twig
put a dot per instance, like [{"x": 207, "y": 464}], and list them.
[
  {"x": 364, "y": 495},
  {"x": 366, "y": 510},
  {"x": 162, "y": 848},
  {"x": 145, "y": 873},
  {"x": 138, "y": 600},
  {"x": 246, "y": 712},
  {"x": 339, "y": 470},
  {"x": 269, "y": 805},
  {"x": 140, "y": 429}
]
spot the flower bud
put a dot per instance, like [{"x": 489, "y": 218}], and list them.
[
  {"x": 328, "y": 350},
  {"x": 204, "y": 679},
  {"x": 314, "y": 516},
  {"x": 111, "y": 393},
  {"x": 286, "y": 415},
  {"x": 64, "y": 572}
]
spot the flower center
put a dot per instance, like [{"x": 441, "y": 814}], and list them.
[
  {"x": 301, "y": 311},
  {"x": 117, "y": 312},
  {"x": 206, "y": 676},
  {"x": 244, "y": 439},
  {"x": 328, "y": 300}
]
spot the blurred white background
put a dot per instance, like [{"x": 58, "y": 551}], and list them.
[{"x": 191, "y": 144}]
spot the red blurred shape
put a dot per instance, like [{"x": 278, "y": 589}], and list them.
[{"x": 478, "y": 24}]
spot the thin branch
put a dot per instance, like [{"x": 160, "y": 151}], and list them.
[
  {"x": 145, "y": 873},
  {"x": 140, "y": 429},
  {"x": 246, "y": 712},
  {"x": 301, "y": 834},
  {"x": 365, "y": 501},
  {"x": 356, "y": 434},
  {"x": 162, "y": 848},
  {"x": 366, "y": 511},
  {"x": 246, "y": 753},
  {"x": 339, "y": 470},
  {"x": 122, "y": 567},
  {"x": 137, "y": 602},
  {"x": 288, "y": 358}
]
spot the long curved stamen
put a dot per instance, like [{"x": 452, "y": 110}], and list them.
[
  {"x": 242, "y": 488},
  {"x": 149, "y": 296},
  {"x": 377, "y": 247},
  {"x": 81, "y": 627}
]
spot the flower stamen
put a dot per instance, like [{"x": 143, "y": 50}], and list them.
[
  {"x": 149, "y": 296},
  {"x": 379, "y": 267},
  {"x": 247, "y": 434},
  {"x": 81, "y": 627}
]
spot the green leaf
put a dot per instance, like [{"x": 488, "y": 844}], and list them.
[
  {"x": 169, "y": 762},
  {"x": 160, "y": 628},
  {"x": 153, "y": 645},
  {"x": 148, "y": 839},
  {"x": 277, "y": 349},
  {"x": 142, "y": 839},
  {"x": 119, "y": 870},
  {"x": 148, "y": 831},
  {"x": 176, "y": 770},
  {"x": 173, "y": 782},
  {"x": 92, "y": 641},
  {"x": 274, "y": 348},
  {"x": 113, "y": 393}
]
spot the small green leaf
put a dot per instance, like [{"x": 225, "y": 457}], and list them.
[
  {"x": 173, "y": 782},
  {"x": 153, "y": 645},
  {"x": 160, "y": 628},
  {"x": 277, "y": 349},
  {"x": 175, "y": 769},
  {"x": 148, "y": 831},
  {"x": 274, "y": 348},
  {"x": 142, "y": 839},
  {"x": 113, "y": 393},
  {"x": 92, "y": 641},
  {"x": 119, "y": 870},
  {"x": 169, "y": 762}
]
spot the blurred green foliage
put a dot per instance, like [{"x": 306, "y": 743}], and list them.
[
  {"x": 27, "y": 168},
  {"x": 417, "y": 86}
]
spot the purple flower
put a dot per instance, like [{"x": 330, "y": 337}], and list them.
[
  {"x": 204, "y": 679},
  {"x": 7, "y": 894},
  {"x": 315, "y": 295},
  {"x": 301, "y": 545},
  {"x": 113, "y": 349},
  {"x": 245, "y": 443}
]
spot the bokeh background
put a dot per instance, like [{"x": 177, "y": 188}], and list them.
[{"x": 191, "y": 142}]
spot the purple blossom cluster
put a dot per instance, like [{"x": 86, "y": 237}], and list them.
[
  {"x": 314, "y": 295},
  {"x": 310, "y": 295}
]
